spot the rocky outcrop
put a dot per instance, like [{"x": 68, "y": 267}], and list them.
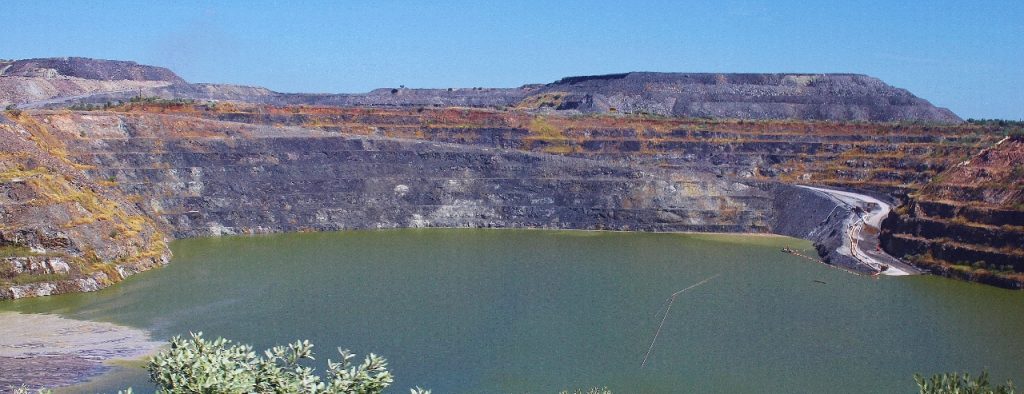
[
  {"x": 87, "y": 195},
  {"x": 61, "y": 230},
  {"x": 200, "y": 169},
  {"x": 993, "y": 178},
  {"x": 883, "y": 158}
]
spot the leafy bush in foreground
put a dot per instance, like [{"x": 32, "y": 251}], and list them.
[
  {"x": 196, "y": 365},
  {"x": 954, "y": 383}
]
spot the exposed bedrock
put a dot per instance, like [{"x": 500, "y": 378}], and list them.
[
  {"x": 884, "y": 158},
  {"x": 60, "y": 231},
  {"x": 204, "y": 187},
  {"x": 733, "y": 96},
  {"x": 968, "y": 243}
]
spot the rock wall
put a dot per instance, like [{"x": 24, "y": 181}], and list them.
[
  {"x": 884, "y": 158},
  {"x": 62, "y": 231},
  {"x": 948, "y": 240},
  {"x": 308, "y": 180}
]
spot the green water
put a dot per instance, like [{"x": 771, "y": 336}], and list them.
[{"x": 514, "y": 311}]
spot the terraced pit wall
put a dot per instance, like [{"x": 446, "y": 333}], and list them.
[
  {"x": 968, "y": 222},
  {"x": 286, "y": 179},
  {"x": 195, "y": 170}
]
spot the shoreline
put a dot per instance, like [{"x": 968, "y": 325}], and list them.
[
  {"x": 260, "y": 234},
  {"x": 66, "y": 286},
  {"x": 49, "y": 351}
]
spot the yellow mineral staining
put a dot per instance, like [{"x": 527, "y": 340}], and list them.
[{"x": 552, "y": 137}]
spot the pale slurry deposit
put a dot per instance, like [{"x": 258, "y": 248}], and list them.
[{"x": 39, "y": 350}]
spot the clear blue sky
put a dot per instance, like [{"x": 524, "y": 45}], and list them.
[{"x": 964, "y": 55}]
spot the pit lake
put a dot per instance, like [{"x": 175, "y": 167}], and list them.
[{"x": 532, "y": 311}]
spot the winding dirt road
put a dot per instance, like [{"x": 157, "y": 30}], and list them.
[{"x": 861, "y": 241}]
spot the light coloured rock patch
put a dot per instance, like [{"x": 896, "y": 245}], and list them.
[
  {"x": 27, "y": 335},
  {"x": 78, "y": 349}
]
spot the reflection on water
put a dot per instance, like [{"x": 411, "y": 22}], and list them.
[{"x": 539, "y": 311}]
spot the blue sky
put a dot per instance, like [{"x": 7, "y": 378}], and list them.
[{"x": 964, "y": 55}]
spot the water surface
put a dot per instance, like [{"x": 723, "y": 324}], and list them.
[{"x": 522, "y": 311}]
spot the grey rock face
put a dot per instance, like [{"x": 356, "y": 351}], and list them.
[
  {"x": 802, "y": 213},
  {"x": 402, "y": 97},
  {"x": 213, "y": 187}
]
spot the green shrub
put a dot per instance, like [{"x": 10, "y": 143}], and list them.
[
  {"x": 196, "y": 365},
  {"x": 15, "y": 251},
  {"x": 954, "y": 383},
  {"x": 26, "y": 278}
]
